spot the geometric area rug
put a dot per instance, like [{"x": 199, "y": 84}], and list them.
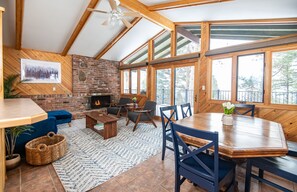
[{"x": 90, "y": 160}]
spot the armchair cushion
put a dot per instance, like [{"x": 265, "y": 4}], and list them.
[{"x": 144, "y": 115}]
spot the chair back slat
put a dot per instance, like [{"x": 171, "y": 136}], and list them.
[
  {"x": 180, "y": 157},
  {"x": 186, "y": 110},
  {"x": 166, "y": 119},
  {"x": 243, "y": 109}
]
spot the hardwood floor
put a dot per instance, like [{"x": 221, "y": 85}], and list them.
[{"x": 151, "y": 175}]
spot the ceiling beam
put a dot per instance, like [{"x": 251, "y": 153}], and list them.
[
  {"x": 187, "y": 34},
  {"x": 79, "y": 26},
  {"x": 182, "y": 3},
  {"x": 117, "y": 38},
  {"x": 150, "y": 15},
  {"x": 19, "y": 13}
]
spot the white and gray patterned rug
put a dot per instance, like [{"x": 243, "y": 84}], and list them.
[{"x": 90, "y": 160}]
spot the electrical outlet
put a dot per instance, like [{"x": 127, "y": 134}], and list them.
[
  {"x": 54, "y": 88},
  {"x": 203, "y": 87}
]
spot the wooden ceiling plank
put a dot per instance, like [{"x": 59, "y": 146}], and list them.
[
  {"x": 187, "y": 34},
  {"x": 182, "y": 3},
  {"x": 150, "y": 15},
  {"x": 84, "y": 18},
  {"x": 19, "y": 23},
  {"x": 117, "y": 38}
]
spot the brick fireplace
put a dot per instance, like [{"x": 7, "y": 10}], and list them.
[{"x": 99, "y": 101}]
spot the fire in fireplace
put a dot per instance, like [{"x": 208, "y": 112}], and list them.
[{"x": 99, "y": 101}]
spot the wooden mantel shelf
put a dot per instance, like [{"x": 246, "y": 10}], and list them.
[{"x": 15, "y": 112}]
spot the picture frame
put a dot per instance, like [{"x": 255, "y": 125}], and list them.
[{"x": 37, "y": 71}]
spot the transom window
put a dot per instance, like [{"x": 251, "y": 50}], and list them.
[
  {"x": 235, "y": 34},
  {"x": 139, "y": 56},
  {"x": 188, "y": 39},
  {"x": 162, "y": 46}
]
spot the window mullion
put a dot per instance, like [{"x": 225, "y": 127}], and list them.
[
  {"x": 267, "y": 77},
  {"x": 234, "y": 79}
]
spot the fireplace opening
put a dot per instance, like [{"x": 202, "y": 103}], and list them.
[{"x": 99, "y": 101}]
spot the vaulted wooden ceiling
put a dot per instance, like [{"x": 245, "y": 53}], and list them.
[{"x": 67, "y": 27}]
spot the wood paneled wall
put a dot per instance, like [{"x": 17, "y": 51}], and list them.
[{"x": 12, "y": 65}]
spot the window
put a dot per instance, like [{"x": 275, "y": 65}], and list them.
[
  {"x": 143, "y": 79},
  {"x": 221, "y": 79},
  {"x": 139, "y": 56},
  {"x": 284, "y": 77},
  {"x": 163, "y": 88},
  {"x": 162, "y": 46},
  {"x": 134, "y": 81},
  {"x": 228, "y": 35},
  {"x": 126, "y": 81},
  {"x": 250, "y": 78},
  {"x": 188, "y": 39}
]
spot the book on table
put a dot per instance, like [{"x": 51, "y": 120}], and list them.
[{"x": 99, "y": 126}]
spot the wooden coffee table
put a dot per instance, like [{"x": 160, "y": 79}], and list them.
[{"x": 110, "y": 123}]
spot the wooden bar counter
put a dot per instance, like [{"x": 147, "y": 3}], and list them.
[{"x": 14, "y": 112}]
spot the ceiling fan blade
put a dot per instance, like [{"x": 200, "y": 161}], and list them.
[
  {"x": 132, "y": 14},
  {"x": 113, "y": 4},
  {"x": 128, "y": 25},
  {"x": 95, "y": 10}
]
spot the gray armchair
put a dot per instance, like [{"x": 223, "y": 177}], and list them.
[
  {"x": 144, "y": 115},
  {"x": 119, "y": 108}
]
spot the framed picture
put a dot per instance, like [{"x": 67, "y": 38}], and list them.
[{"x": 35, "y": 71}]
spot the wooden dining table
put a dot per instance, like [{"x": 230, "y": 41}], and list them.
[{"x": 247, "y": 137}]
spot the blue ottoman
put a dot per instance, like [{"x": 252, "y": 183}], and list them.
[{"x": 62, "y": 116}]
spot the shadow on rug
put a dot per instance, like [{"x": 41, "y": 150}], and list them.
[{"x": 90, "y": 160}]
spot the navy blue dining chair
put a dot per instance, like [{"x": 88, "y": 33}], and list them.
[
  {"x": 244, "y": 109},
  {"x": 292, "y": 146},
  {"x": 168, "y": 114},
  {"x": 207, "y": 171},
  {"x": 186, "y": 110},
  {"x": 285, "y": 167}
]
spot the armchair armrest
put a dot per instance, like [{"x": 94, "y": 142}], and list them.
[
  {"x": 142, "y": 111},
  {"x": 112, "y": 104}
]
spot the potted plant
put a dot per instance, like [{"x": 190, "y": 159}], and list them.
[
  {"x": 9, "y": 86},
  {"x": 11, "y": 135},
  {"x": 228, "y": 111},
  {"x": 134, "y": 99}
]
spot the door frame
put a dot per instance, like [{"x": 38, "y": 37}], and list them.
[{"x": 172, "y": 66}]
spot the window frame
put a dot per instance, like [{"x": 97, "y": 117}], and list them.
[
  {"x": 267, "y": 75},
  {"x": 130, "y": 81},
  {"x": 210, "y": 69},
  {"x": 277, "y": 105},
  {"x": 264, "y": 66},
  {"x": 176, "y": 34},
  {"x": 134, "y": 52}
]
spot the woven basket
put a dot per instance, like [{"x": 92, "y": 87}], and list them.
[{"x": 46, "y": 149}]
